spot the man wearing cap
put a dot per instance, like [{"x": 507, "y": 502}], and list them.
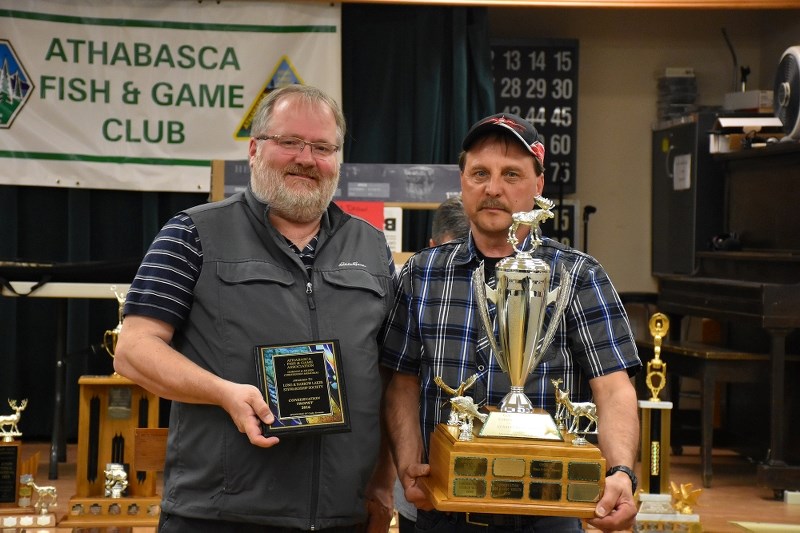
[{"x": 434, "y": 330}]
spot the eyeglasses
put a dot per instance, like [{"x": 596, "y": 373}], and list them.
[{"x": 295, "y": 145}]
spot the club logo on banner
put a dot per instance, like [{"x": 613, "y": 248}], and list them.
[
  {"x": 15, "y": 85},
  {"x": 283, "y": 75},
  {"x": 128, "y": 95}
]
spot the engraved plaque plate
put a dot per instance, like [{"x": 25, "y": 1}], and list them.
[
  {"x": 545, "y": 491},
  {"x": 9, "y": 472},
  {"x": 583, "y": 471},
  {"x": 583, "y": 492},
  {"x": 508, "y": 489},
  {"x": 470, "y": 466},
  {"x": 508, "y": 467},
  {"x": 547, "y": 469},
  {"x": 469, "y": 487},
  {"x": 521, "y": 425},
  {"x": 119, "y": 403}
]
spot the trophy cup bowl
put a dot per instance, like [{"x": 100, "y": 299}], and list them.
[
  {"x": 519, "y": 462},
  {"x": 110, "y": 339},
  {"x": 521, "y": 294}
]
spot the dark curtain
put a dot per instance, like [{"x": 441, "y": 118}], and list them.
[
  {"x": 67, "y": 226},
  {"x": 414, "y": 80}
]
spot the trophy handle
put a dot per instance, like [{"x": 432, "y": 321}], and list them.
[
  {"x": 484, "y": 294},
  {"x": 561, "y": 297}
]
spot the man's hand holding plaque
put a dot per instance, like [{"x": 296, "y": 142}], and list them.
[{"x": 304, "y": 386}]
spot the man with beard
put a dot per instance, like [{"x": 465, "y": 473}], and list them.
[
  {"x": 434, "y": 331},
  {"x": 278, "y": 264}
]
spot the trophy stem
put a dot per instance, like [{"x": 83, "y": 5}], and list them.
[{"x": 516, "y": 402}]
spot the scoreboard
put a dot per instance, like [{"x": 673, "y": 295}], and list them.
[{"x": 538, "y": 80}]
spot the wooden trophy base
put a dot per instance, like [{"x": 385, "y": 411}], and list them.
[
  {"x": 513, "y": 476},
  {"x": 24, "y": 518},
  {"x": 100, "y": 511}
]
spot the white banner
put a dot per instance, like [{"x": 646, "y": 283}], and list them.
[{"x": 113, "y": 94}]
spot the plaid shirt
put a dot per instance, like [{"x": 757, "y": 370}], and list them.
[{"x": 434, "y": 330}]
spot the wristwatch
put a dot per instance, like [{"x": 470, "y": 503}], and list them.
[{"x": 622, "y": 468}]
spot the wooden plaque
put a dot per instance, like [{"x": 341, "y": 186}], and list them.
[{"x": 513, "y": 476}]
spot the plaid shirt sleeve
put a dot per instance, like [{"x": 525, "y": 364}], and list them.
[{"x": 401, "y": 342}]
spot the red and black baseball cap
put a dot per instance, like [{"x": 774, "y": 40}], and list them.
[{"x": 521, "y": 128}]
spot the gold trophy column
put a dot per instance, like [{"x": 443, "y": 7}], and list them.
[
  {"x": 656, "y": 415},
  {"x": 664, "y": 505}
]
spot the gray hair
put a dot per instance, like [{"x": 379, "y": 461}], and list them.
[
  {"x": 308, "y": 94},
  {"x": 450, "y": 221}
]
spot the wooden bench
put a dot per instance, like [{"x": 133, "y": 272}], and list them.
[{"x": 710, "y": 365}]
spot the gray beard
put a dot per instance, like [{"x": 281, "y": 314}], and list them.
[{"x": 269, "y": 187}]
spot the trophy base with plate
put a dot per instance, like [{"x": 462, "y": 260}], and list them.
[
  {"x": 97, "y": 512},
  {"x": 513, "y": 476}
]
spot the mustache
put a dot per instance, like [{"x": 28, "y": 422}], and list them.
[
  {"x": 302, "y": 171},
  {"x": 493, "y": 204}
]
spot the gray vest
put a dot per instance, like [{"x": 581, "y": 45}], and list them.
[{"x": 254, "y": 290}]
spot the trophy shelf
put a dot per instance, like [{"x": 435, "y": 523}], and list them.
[{"x": 513, "y": 476}]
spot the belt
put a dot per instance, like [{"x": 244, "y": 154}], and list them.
[{"x": 486, "y": 520}]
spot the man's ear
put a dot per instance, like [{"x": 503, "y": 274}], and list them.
[
  {"x": 431, "y": 242},
  {"x": 539, "y": 184}
]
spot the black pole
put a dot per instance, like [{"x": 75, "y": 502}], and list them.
[
  {"x": 559, "y": 229},
  {"x": 588, "y": 210}
]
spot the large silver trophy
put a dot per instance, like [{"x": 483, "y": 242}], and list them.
[
  {"x": 517, "y": 460},
  {"x": 521, "y": 299}
]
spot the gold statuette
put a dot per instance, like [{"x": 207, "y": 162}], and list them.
[
  {"x": 9, "y": 423},
  {"x": 656, "y": 368},
  {"x": 111, "y": 335}
]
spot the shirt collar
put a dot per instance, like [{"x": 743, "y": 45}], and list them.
[{"x": 470, "y": 252}]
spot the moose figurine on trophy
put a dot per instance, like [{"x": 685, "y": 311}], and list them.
[
  {"x": 515, "y": 459},
  {"x": 569, "y": 415},
  {"x": 9, "y": 424}
]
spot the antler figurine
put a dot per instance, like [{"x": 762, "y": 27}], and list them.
[
  {"x": 462, "y": 408},
  {"x": 8, "y": 423}
]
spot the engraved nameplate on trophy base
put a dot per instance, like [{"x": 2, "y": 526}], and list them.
[
  {"x": 536, "y": 425},
  {"x": 513, "y": 476},
  {"x": 9, "y": 473}
]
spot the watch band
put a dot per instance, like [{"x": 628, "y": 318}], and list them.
[{"x": 622, "y": 468}]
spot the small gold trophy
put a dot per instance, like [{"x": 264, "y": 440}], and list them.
[
  {"x": 10, "y": 450},
  {"x": 17, "y": 509},
  {"x": 515, "y": 460},
  {"x": 111, "y": 335}
]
